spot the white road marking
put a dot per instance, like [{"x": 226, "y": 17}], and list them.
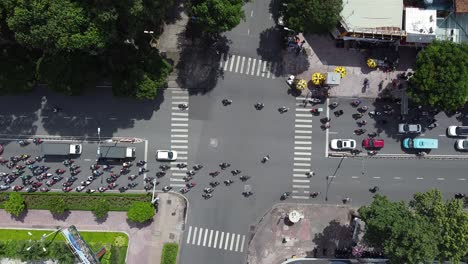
[
  {"x": 215, "y": 239},
  {"x": 227, "y": 241},
  {"x": 332, "y": 133},
  {"x": 269, "y": 70},
  {"x": 253, "y": 67},
  {"x": 194, "y": 235},
  {"x": 301, "y": 164},
  {"x": 273, "y": 70},
  {"x": 177, "y": 185},
  {"x": 302, "y": 153},
  {"x": 179, "y": 114},
  {"x": 200, "y": 236},
  {"x": 232, "y": 62},
  {"x": 179, "y": 130},
  {"x": 301, "y": 181},
  {"x": 303, "y": 115},
  {"x": 300, "y": 197},
  {"x": 302, "y": 137},
  {"x": 232, "y": 242},
  {"x": 376, "y": 177},
  {"x": 443, "y": 135},
  {"x": 300, "y": 186},
  {"x": 226, "y": 63},
  {"x": 264, "y": 68},
  {"x": 303, "y": 126},
  {"x": 176, "y": 180},
  {"x": 295, "y": 175},
  {"x": 204, "y": 238},
  {"x": 251, "y": 13},
  {"x": 303, "y": 121},
  {"x": 302, "y": 110},
  {"x": 179, "y": 125},
  {"x": 179, "y": 136},
  {"x": 177, "y": 108},
  {"x": 237, "y": 242},
  {"x": 209, "y": 239},
  {"x": 221, "y": 240},
  {"x": 178, "y": 103},
  {"x": 355, "y": 177},
  {"x": 248, "y": 31},
  {"x": 302, "y": 132},
  {"x": 179, "y": 141},
  {"x": 419, "y": 178},
  {"x": 178, "y": 91},
  {"x": 182, "y": 153},
  {"x": 303, "y": 142},
  {"x": 259, "y": 67},
  {"x": 242, "y": 244},
  {"x": 179, "y": 147},
  {"x": 189, "y": 234},
  {"x": 440, "y": 179},
  {"x": 242, "y": 65},
  {"x": 248, "y": 66},
  {"x": 303, "y": 148},
  {"x": 237, "y": 64},
  {"x": 303, "y": 159},
  {"x": 397, "y": 178},
  {"x": 180, "y": 97},
  {"x": 145, "y": 157},
  {"x": 179, "y": 119},
  {"x": 462, "y": 179}
]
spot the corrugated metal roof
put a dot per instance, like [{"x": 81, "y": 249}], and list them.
[{"x": 372, "y": 14}]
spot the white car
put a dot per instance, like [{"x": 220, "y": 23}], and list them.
[
  {"x": 290, "y": 80},
  {"x": 409, "y": 128},
  {"x": 343, "y": 144},
  {"x": 462, "y": 144},
  {"x": 166, "y": 155},
  {"x": 455, "y": 131}
]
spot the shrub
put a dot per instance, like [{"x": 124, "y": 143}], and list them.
[
  {"x": 101, "y": 208},
  {"x": 169, "y": 253},
  {"x": 141, "y": 212},
  {"x": 15, "y": 204},
  {"x": 57, "y": 205}
]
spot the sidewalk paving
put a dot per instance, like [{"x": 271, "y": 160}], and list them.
[
  {"x": 322, "y": 229},
  {"x": 145, "y": 241},
  {"x": 322, "y": 55}
]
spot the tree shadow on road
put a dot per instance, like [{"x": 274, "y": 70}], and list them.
[
  {"x": 62, "y": 217},
  {"x": 269, "y": 49},
  {"x": 334, "y": 237}
]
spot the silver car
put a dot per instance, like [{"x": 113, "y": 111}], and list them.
[{"x": 409, "y": 128}]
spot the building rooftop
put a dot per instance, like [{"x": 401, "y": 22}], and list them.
[
  {"x": 365, "y": 15},
  {"x": 420, "y": 25},
  {"x": 461, "y": 6},
  {"x": 453, "y": 28}
]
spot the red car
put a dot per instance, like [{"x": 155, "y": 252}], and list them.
[{"x": 373, "y": 143}]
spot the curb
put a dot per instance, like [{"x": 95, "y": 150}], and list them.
[{"x": 398, "y": 156}]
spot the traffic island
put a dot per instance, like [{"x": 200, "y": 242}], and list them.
[{"x": 301, "y": 230}]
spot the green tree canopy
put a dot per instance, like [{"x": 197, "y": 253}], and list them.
[
  {"x": 441, "y": 76},
  {"x": 17, "y": 69},
  {"x": 101, "y": 208},
  {"x": 57, "y": 206},
  {"x": 15, "y": 204},
  {"x": 216, "y": 16},
  {"x": 54, "y": 25},
  {"x": 313, "y": 16},
  {"x": 449, "y": 220},
  {"x": 427, "y": 229},
  {"x": 141, "y": 212}
]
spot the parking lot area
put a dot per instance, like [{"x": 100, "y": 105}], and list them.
[
  {"x": 386, "y": 124},
  {"x": 28, "y": 168}
]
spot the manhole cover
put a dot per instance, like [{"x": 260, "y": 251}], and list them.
[
  {"x": 171, "y": 236},
  {"x": 169, "y": 201},
  {"x": 214, "y": 142}
]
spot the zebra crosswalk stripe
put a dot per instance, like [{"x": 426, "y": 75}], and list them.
[
  {"x": 232, "y": 62},
  {"x": 226, "y": 62},
  {"x": 242, "y": 65},
  {"x": 248, "y": 66},
  {"x": 237, "y": 63},
  {"x": 259, "y": 67},
  {"x": 253, "y": 66}
]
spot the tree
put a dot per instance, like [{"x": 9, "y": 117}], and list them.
[
  {"x": 57, "y": 206},
  {"x": 313, "y": 16},
  {"x": 216, "y": 16},
  {"x": 17, "y": 69},
  {"x": 54, "y": 25},
  {"x": 449, "y": 220},
  {"x": 15, "y": 204},
  {"x": 441, "y": 76},
  {"x": 101, "y": 208},
  {"x": 380, "y": 217},
  {"x": 140, "y": 212}
]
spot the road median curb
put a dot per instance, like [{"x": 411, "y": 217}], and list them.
[{"x": 399, "y": 156}]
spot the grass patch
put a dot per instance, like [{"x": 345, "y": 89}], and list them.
[
  {"x": 116, "y": 243},
  {"x": 169, "y": 253},
  {"x": 81, "y": 201}
]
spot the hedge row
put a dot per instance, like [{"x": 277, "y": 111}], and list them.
[
  {"x": 169, "y": 253},
  {"x": 81, "y": 201}
]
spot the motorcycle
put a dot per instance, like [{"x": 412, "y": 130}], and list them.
[
  {"x": 123, "y": 189},
  {"x": 187, "y": 178},
  {"x": 160, "y": 174},
  {"x": 325, "y": 120},
  {"x": 142, "y": 170},
  {"x": 132, "y": 177},
  {"x": 214, "y": 184},
  {"x": 363, "y": 108},
  {"x": 29, "y": 162},
  {"x": 285, "y": 195},
  {"x": 460, "y": 195},
  {"x": 214, "y": 173},
  {"x": 207, "y": 195},
  {"x": 226, "y": 102},
  {"x": 333, "y": 105},
  {"x": 197, "y": 167},
  {"x": 44, "y": 189},
  {"x": 356, "y": 103},
  {"x": 181, "y": 165},
  {"x": 166, "y": 188},
  {"x": 264, "y": 159},
  {"x": 228, "y": 182},
  {"x": 90, "y": 190},
  {"x": 127, "y": 164},
  {"x": 18, "y": 188},
  {"x": 190, "y": 172},
  {"x": 259, "y": 106},
  {"x": 224, "y": 165},
  {"x": 59, "y": 171},
  {"x": 314, "y": 194},
  {"x": 148, "y": 186},
  {"x": 37, "y": 141},
  {"x": 283, "y": 109},
  {"x": 374, "y": 189},
  {"x": 94, "y": 167},
  {"x": 247, "y": 193},
  {"x": 244, "y": 178},
  {"x": 31, "y": 189},
  {"x": 362, "y": 123},
  {"x": 112, "y": 185},
  {"x": 66, "y": 189},
  {"x": 338, "y": 113},
  {"x": 164, "y": 167},
  {"x": 358, "y": 115},
  {"x": 190, "y": 185},
  {"x": 24, "y": 157},
  {"x": 183, "y": 106},
  {"x": 355, "y": 151},
  {"x": 132, "y": 184},
  {"x": 102, "y": 189},
  {"x": 235, "y": 172},
  {"x": 208, "y": 190},
  {"x": 359, "y": 131},
  {"x": 183, "y": 190},
  {"x": 372, "y": 135},
  {"x": 74, "y": 172},
  {"x": 141, "y": 163},
  {"x": 372, "y": 153}
]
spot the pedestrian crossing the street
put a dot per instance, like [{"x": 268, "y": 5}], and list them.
[
  {"x": 302, "y": 150},
  {"x": 249, "y": 66},
  {"x": 204, "y": 237},
  {"x": 179, "y": 135}
]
